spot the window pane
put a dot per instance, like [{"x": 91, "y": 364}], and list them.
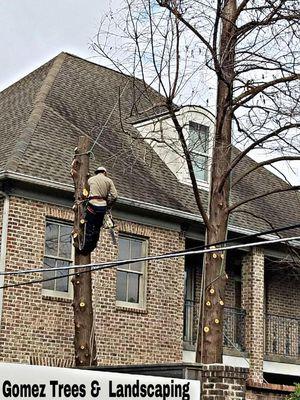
[
  {"x": 62, "y": 284},
  {"x": 136, "y": 252},
  {"x": 133, "y": 288},
  {"x": 51, "y": 245},
  {"x": 124, "y": 251},
  {"x": 65, "y": 243},
  {"x": 198, "y": 137},
  {"x": 121, "y": 285},
  {"x": 49, "y": 263},
  {"x": 200, "y": 164}
]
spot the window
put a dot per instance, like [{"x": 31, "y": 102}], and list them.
[
  {"x": 58, "y": 253},
  {"x": 198, "y": 146},
  {"x": 131, "y": 277}
]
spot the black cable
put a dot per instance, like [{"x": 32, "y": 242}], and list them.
[
  {"x": 202, "y": 247},
  {"x": 47, "y": 279},
  {"x": 116, "y": 264},
  {"x": 253, "y": 235}
]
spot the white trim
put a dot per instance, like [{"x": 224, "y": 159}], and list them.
[
  {"x": 182, "y": 110},
  {"x": 234, "y": 361},
  {"x": 189, "y": 356},
  {"x": 268, "y": 366},
  {"x": 3, "y": 245},
  {"x": 281, "y": 368}
]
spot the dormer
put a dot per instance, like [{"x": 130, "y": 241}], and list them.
[{"x": 198, "y": 128}]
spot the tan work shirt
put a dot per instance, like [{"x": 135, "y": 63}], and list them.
[{"x": 101, "y": 185}]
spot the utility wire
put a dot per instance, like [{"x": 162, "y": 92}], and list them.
[
  {"x": 100, "y": 266},
  {"x": 241, "y": 237},
  {"x": 174, "y": 254},
  {"x": 109, "y": 116}
]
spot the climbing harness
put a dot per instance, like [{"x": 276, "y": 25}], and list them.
[{"x": 93, "y": 221}]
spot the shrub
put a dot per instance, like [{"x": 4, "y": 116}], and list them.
[{"x": 296, "y": 394}]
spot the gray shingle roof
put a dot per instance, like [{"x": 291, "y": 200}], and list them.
[{"x": 43, "y": 115}]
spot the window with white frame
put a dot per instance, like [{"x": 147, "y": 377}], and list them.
[
  {"x": 198, "y": 142},
  {"x": 58, "y": 253},
  {"x": 131, "y": 278}
]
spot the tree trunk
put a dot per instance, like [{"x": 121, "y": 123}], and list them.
[
  {"x": 84, "y": 338},
  {"x": 210, "y": 338}
]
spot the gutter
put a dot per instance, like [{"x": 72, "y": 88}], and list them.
[
  {"x": 130, "y": 202},
  {"x": 3, "y": 246},
  {"x": 191, "y": 217}
]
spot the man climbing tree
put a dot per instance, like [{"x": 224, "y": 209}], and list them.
[{"x": 101, "y": 197}]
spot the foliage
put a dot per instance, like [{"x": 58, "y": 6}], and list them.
[{"x": 296, "y": 394}]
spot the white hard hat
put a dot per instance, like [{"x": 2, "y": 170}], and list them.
[{"x": 100, "y": 169}]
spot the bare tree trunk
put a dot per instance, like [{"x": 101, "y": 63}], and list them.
[
  {"x": 84, "y": 338},
  {"x": 210, "y": 338}
]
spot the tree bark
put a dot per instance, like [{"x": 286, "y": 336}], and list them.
[
  {"x": 84, "y": 338},
  {"x": 210, "y": 338}
]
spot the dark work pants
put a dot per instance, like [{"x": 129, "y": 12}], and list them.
[{"x": 94, "y": 220}]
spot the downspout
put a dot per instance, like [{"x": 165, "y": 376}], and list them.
[{"x": 3, "y": 246}]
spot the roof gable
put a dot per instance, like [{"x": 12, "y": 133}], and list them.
[{"x": 44, "y": 114}]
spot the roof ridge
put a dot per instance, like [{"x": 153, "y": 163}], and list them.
[
  {"x": 36, "y": 113},
  {"x": 125, "y": 75}
]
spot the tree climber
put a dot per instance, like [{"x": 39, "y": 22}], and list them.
[{"x": 102, "y": 195}]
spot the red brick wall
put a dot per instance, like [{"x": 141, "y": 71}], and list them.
[
  {"x": 152, "y": 335},
  {"x": 230, "y": 290},
  {"x": 1, "y": 216},
  {"x": 33, "y": 324},
  {"x": 252, "y": 394},
  {"x": 282, "y": 294},
  {"x": 223, "y": 382}
]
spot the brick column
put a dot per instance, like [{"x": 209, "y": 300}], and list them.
[
  {"x": 223, "y": 382},
  {"x": 253, "y": 303}
]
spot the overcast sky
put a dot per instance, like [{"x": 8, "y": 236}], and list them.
[{"x": 34, "y": 31}]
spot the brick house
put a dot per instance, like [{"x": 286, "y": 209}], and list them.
[{"x": 145, "y": 314}]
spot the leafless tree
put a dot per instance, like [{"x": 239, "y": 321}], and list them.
[{"x": 245, "y": 54}]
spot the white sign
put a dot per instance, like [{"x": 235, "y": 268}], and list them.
[{"x": 19, "y": 381}]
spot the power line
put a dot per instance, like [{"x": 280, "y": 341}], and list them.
[
  {"x": 108, "y": 118},
  {"x": 241, "y": 237},
  {"x": 100, "y": 266},
  {"x": 29, "y": 271}
]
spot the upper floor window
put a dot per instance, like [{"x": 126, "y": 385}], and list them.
[
  {"x": 199, "y": 147},
  {"x": 58, "y": 253},
  {"x": 131, "y": 277}
]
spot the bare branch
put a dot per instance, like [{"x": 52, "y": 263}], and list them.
[
  {"x": 263, "y": 163},
  {"x": 254, "y": 91},
  {"x": 265, "y": 194},
  {"x": 252, "y": 146},
  {"x": 195, "y": 31}
]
